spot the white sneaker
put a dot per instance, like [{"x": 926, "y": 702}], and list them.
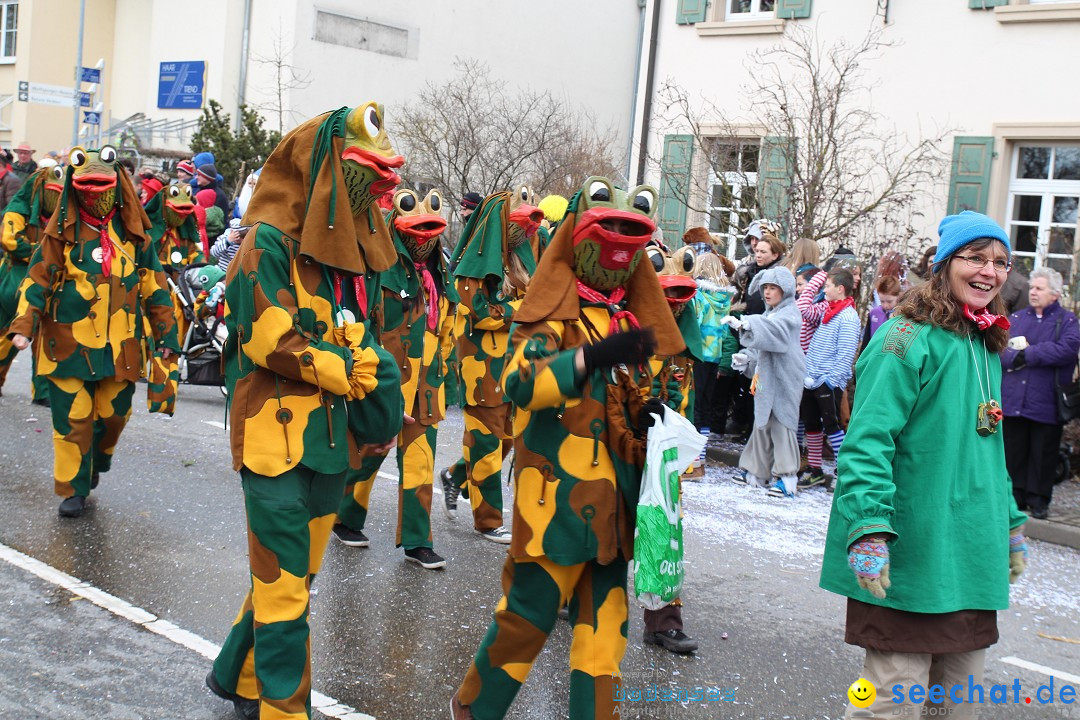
[
  {"x": 497, "y": 535},
  {"x": 784, "y": 486}
]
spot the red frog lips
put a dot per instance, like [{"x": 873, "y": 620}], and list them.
[
  {"x": 183, "y": 210},
  {"x": 381, "y": 164},
  {"x": 420, "y": 227},
  {"x": 678, "y": 289},
  {"x": 94, "y": 182},
  {"x": 527, "y": 218},
  {"x": 54, "y": 187},
  {"x": 609, "y": 228}
]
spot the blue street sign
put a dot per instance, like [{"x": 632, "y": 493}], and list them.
[
  {"x": 90, "y": 75},
  {"x": 91, "y": 118},
  {"x": 84, "y": 99},
  {"x": 182, "y": 85}
]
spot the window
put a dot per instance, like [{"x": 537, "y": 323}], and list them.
[
  {"x": 1044, "y": 197},
  {"x": 750, "y": 9},
  {"x": 732, "y": 198},
  {"x": 9, "y": 19}
]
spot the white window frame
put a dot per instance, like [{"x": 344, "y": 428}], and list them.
[
  {"x": 1048, "y": 189},
  {"x": 5, "y": 55},
  {"x": 738, "y": 181},
  {"x": 755, "y": 12}
]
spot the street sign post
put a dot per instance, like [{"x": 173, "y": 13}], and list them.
[
  {"x": 90, "y": 75},
  {"x": 91, "y": 118},
  {"x": 43, "y": 94}
]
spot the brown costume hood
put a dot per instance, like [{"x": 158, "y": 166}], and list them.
[
  {"x": 352, "y": 244},
  {"x": 552, "y": 294},
  {"x": 130, "y": 215}
]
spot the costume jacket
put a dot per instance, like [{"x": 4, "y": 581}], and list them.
[{"x": 24, "y": 219}]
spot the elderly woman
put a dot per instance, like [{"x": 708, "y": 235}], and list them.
[{"x": 1043, "y": 343}]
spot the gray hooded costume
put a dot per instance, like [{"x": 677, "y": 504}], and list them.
[{"x": 775, "y": 355}]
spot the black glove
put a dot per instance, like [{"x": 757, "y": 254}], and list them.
[
  {"x": 645, "y": 417},
  {"x": 632, "y": 347},
  {"x": 1019, "y": 361}
]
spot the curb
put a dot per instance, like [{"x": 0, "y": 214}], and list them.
[{"x": 1051, "y": 531}]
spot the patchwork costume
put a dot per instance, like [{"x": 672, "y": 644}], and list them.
[
  {"x": 414, "y": 322},
  {"x": 92, "y": 280},
  {"x": 175, "y": 234},
  {"x": 579, "y": 459},
  {"x": 25, "y": 218},
  {"x": 308, "y": 386},
  {"x": 493, "y": 263}
]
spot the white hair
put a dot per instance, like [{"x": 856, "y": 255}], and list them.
[{"x": 1052, "y": 278}]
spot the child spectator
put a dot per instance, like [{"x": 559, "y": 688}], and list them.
[
  {"x": 775, "y": 362},
  {"x": 828, "y": 369},
  {"x": 225, "y": 247},
  {"x": 887, "y": 290}
]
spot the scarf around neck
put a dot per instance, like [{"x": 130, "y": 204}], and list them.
[
  {"x": 984, "y": 320},
  {"x": 835, "y": 307}
]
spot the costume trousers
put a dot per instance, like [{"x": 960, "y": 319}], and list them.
[
  {"x": 267, "y": 654},
  {"x": 487, "y": 442},
  {"x": 87, "y": 417},
  {"x": 533, "y": 591},
  {"x": 1031, "y": 455},
  {"x": 820, "y": 409},
  {"x": 416, "y": 472},
  {"x": 772, "y": 451},
  {"x": 886, "y": 669}
]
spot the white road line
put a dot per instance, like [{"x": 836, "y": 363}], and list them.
[
  {"x": 328, "y": 706},
  {"x": 1068, "y": 677},
  {"x": 215, "y": 423},
  {"x": 388, "y": 476}
]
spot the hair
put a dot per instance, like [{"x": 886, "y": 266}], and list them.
[
  {"x": 809, "y": 273},
  {"x": 923, "y": 268},
  {"x": 1052, "y": 277},
  {"x": 843, "y": 278},
  {"x": 710, "y": 267},
  {"x": 933, "y": 303},
  {"x": 887, "y": 285},
  {"x": 804, "y": 252},
  {"x": 775, "y": 245},
  {"x": 894, "y": 264}
]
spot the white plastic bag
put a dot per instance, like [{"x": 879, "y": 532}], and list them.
[{"x": 671, "y": 446}]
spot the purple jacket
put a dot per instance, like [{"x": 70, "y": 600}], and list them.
[{"x": 1027, "y": 384}]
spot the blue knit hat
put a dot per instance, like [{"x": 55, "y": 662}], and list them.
[{"x": 956, "y": 231}]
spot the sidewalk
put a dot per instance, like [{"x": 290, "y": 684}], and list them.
[{"x": 1061, "y": 528}]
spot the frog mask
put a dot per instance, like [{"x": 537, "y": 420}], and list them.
[
  {"x": 93, "y": 178},
  {"x": 368, "y": 159},
  {"x": 178, "y": 205},
  {"x": 610, "y": 232},
  {"x": 675, "y": 272},
  {"x": 418, "y": 223}
]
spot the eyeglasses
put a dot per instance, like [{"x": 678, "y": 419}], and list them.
[{"x": 978, "y": 262}]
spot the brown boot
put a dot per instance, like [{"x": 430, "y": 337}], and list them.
[{"x": 459, "y": 711}]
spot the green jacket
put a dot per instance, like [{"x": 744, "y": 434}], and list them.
[{"x": 912, "y": 466}]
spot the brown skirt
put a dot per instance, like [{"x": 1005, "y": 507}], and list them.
[{"x": 887, "y": 630}]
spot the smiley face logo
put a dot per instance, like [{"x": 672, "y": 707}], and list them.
[{"x": 861, "y": 693}]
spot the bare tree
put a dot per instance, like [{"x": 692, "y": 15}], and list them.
[
  {"x": 472, "y": 133},
  {"x": 285, "y": 78},
  {"x": 849, "y": 177}
]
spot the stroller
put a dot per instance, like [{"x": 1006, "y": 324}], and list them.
[{"x": 199, "y": 289}]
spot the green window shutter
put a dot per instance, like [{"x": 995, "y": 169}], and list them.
[
  {"x": 774, "y": 178},
  {"x": 969, "y": 183},
  {"x": 985, "y": 4},
  {"x": 675, "y": 185},
  {"x": 792, "y": 9},
  {"x": 688, "y": 12}
]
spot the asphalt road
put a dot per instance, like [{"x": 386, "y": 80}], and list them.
[{"x": 165, "y": 533}]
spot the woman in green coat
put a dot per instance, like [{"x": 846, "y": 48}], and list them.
[{"x": 924, "y": 536}]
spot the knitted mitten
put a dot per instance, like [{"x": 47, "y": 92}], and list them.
[
  {"x": 869, "y": 559},
  {"x": 1017, "y": 553}
]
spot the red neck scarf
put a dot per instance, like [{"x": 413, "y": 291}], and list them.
[
  {"x": 612, "y": 302},
  {"x": 985, "y": 320},
  {"x": 359, "y": 288},
  {"x": 835, "y": 306},
  {"x": 432, "y": 298},
  {"x": 102, "y": 225}
]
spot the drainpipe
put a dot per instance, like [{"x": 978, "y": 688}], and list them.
[
  {"x": 244, "y": 47},
  {"x": 637, "y": 81},
  {"x": 646, "y": 112}
]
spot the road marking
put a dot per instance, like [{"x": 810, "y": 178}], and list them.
[
  {"x": 388, "y": 476},
  {"x": 1068, "y": 677},
  {"x": 326, "y": 705},
  {"x": 215, "y": 423}
]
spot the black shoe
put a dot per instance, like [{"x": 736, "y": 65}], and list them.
[
  {"x": 95, "y": 478},
  {"x": 347, "y": 536},
  {"x": 813, "y": 477},
  {"x": 425, "y": 558},
  {"x": 564, "y": 613},
  {"x": 675, "y": 641},
  {"x": 246, "y": 709},
  {"x": 1038, "y": 514},
  {"x": 72, "y": 506},
  {"x": 450, "y": 493},
  {"x": 43, "y": 402}
]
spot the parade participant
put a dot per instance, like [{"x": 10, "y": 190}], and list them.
[
  {"x": 25, "y": 219},
  {"x": 414, "y": 321},
  {"x": 175, "y": 235},
  {"x": 925, "y": 536},
  {"x": 579, "y": 370},
  {"x": 92, "y": 279},
  {"x": 493, "y": 263},
  {"x": 309, "y": 389},
  {"x": 673, "y": 384}
]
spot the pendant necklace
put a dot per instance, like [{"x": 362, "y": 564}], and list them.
[{"x": 989, "y": 414}]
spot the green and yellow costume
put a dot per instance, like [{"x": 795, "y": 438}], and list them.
[
  {"x": 494, "y": 261},
  {"x": 414, "y": 321},
  {"x": 175, "y": 235},
  {"x": 578, "y": 461},
  {"x": 92, "y": 279},
  {"x": 308, "y": 386},
  {"x": 25, "y": 218}
]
